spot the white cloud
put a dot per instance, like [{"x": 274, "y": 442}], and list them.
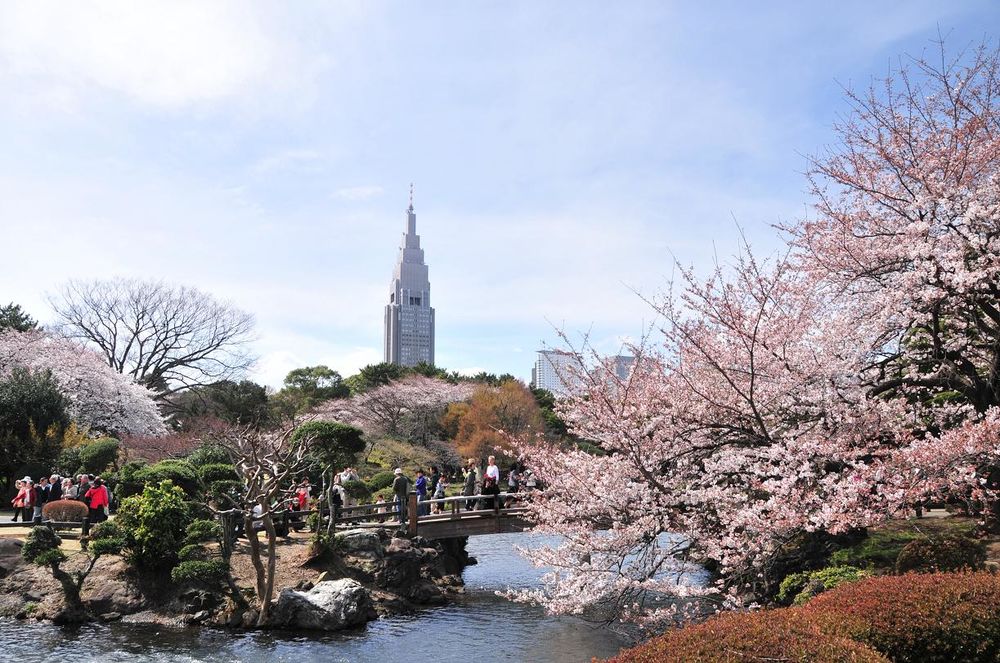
[
  {"x": 356, "y": 193},
  {"x": 286, "y": 160},
  {"x": 162, "y": 53}
]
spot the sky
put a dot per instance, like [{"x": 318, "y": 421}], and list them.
[{"x": 565, "y": 155}]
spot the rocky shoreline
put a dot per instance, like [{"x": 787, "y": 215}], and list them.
[{"x": 364, "y": 575}]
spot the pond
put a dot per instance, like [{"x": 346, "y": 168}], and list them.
[{"x": 479, "y": 627}]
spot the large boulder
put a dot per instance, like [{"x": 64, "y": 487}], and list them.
[
  {"x": 329, "y": 606},
  {"x": 361, "y": 542},
  {"x": 10, "y": 555}
]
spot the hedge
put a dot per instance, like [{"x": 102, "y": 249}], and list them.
[
  {"x": 925, "y": 618},
  {"x": 770, "y": 635},
  {"x": 381, "y": 480},
  {"x": 180, "y": 472},
  {"x": 951, "y": 552},
  {"x": 65, "y": 511}
]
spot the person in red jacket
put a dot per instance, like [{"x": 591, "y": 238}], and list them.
[{"x": 97, "y": 497}]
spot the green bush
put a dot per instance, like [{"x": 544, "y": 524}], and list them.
[
  {"x": 69, "y": 462},
  {"x": 332, "y": 444},
  {"x": 97, "y": 456},
  {"x": 125, "y": 481},
  {"x": 202, "y": 531},
  {"x": 209, "y": 572},
  {"x": 154, "y": 525},
  {"x": 358, "y": 490},
  {"x": 209, "y": 454},
  {"x": 213, "y": 472},
  {"x": 950, "y": 552},
  {"x": 192, "y": 552},
  {"x": 180, "y": 472},
  {"x": 798, "y": 588},
  {"x": 41, "y": 541},
  {"x": 106, "y": 538},
  {"x": 381, "y": 480}
]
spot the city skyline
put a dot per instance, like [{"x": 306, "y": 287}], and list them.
[
  {"x": 409, "y": 316},
  {"x": 563, "y": 162}
]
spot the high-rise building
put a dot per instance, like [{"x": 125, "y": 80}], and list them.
[
  {"x": 623, "y": 365},
  {"x": 409, "y": 318},
  {"x": 557, "y": 371}
]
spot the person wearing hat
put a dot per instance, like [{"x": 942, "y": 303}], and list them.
[{"x": 401, "y": 490}]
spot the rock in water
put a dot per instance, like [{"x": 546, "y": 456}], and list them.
[{"x": 329, "y": 606}]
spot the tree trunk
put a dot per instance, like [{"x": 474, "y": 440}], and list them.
[
  {"x": 255, "y": 554},
  {"x": 272, "y": 554}
]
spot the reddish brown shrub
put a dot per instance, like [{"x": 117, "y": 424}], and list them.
[
  {"x": 770, "y": 635},
  {"x": 65, "y": 511},
  {"x": 946, "y": 617}
]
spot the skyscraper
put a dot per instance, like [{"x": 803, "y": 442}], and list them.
[
  {"x": 557, "y": 371},
  {"x": 409, "y": 318}
]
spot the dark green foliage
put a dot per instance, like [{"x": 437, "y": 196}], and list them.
[
  {"x": 332, "y": 445},
  {"x": 69, "y": 462},
  {"x": 97, "y": 456},
  {"x": 40, "y": 540},
  {"x": 30, "y": 404},
  {"x": 209, "y": 454},
  {"x": 358, "y": 490},
  {"x": 180, "y": 472},
  {"x": 374, "y": 375},
  {"x": 242, "y": 403},
  {"x": 380, "y": 480},
  {"x": 208, "y": 572},
  {"x": 13, "y": 317},
  {"x": 950, "y": 552},
  {"x": 213, "y": 472},
  {"x": 225, "y": 492},
  {"x": 126, "y": 481},
  {"x": 154, "y": 525},
  {"x": 192, "y": 552},
  {"x": 202, "y": 531},
  {"x": 317, "y": 383}
]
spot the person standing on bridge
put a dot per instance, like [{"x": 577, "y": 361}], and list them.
[
  {"x": 471, "y": 479},
  {"x": 401, "y": 491},
  {"x": 421, "y": 487}
]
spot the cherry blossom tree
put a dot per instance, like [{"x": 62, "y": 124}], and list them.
[
  {"x": 821, "y": 391},
  {"x": 96, "y": 396},
  {"x": 410, "y": 407}
]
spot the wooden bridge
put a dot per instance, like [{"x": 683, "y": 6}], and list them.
[{"x": 448, "y": 518}]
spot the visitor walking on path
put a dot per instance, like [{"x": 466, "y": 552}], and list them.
[
  {"x": 433, "y": 480},
  {"x": 401, "y": 490},
  {"x": 18, "y": 501},
  {"x": 442, "y": 485}
]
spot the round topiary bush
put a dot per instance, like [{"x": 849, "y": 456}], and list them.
[
  {"x": 917, "y": 618},
  {"x": 207, "y": 572},
  {"x": 65, "y": 511},
  {"x": 180, "y": 472},
  {"x": 154, "y": 525},
  {"x": 951, "y": 552},
  {"x": 358, "y": 490},
  {"x": 97, "y": 456},
  {"x": 213, "y": 472},
  {"x": 381, "y": 480},
  {"x": 769, "y": 635}
]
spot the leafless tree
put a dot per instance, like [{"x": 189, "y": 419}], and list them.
[
  {"x": 166, "y": 337},
  {"x": 268, "y": 463}
]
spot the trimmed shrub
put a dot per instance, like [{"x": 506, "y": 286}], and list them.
[
  {"x": 332, "y": 444},
  {"x": 97, "y": 456},
  {"x": 154, "y": 525},
  {"x": 125, "y": 481},
  {"x": 201, "y": 531},
  {"x": 917, "y": 618},
  {"x": 381, "y": 480},
  {"x": 65, "y": 511},
  {"x": 358, "y": 490},
  {"x": 180, "y": 472},
  {"x": 213, "y": 472},
  {"x": 42, "y": 546},
  {"x": 941, "y": 553},
  {"x": 209, "y": 454},
  {"x": 69, "y": 462},
  {"x": 209, "y": 572},
  {"x": 778, "y": 635},
  {"x": 192, "y": 552}
]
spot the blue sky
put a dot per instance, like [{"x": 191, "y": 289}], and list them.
[{"x": 563, "y": 153}]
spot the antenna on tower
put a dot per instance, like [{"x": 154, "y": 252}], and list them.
[{"x": 411, "y": 196}]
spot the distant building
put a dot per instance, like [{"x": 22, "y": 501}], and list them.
[
  {"x": 622, "y": 366},
  {"x": 409, "y": 317},
  {"x": 557, "y": 371}
]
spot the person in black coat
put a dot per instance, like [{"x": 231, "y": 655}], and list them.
[{"x": 55, "y": 488}]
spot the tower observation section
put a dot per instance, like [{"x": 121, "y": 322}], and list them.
[{"x": 409, "y": 317}]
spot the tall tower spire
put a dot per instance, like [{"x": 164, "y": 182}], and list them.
[{"x": 409, "y": 317}]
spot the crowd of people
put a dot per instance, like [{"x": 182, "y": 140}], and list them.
[{"x": 31, "y": 496}]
